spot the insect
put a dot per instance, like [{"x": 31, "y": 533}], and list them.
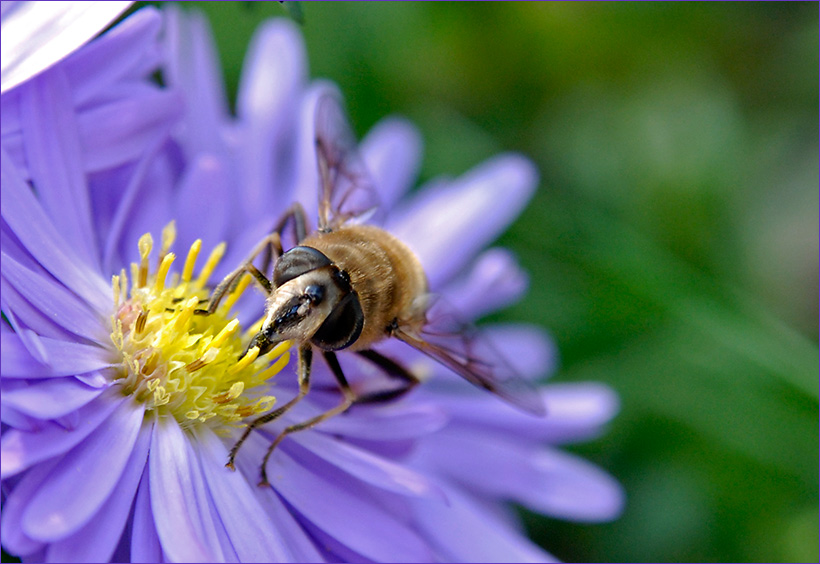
[{"x": 348, "y": 286}]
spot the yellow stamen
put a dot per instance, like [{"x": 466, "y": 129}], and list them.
[
  {"x": 210, "y": 265},
  {"x": 164, "y": 267},
  {"x": 245, "y": 361},
  {"x": 190, "y": 260},
  {"x": 178, "y": 361},
  {"x": 169, "y": 235},
  {"x": 230, "y": 300},
  {"x": 145, "y": 244}
]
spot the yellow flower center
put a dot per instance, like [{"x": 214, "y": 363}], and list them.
[{"x": 179, "y": 360}]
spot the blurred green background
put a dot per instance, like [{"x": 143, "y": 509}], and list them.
[{"x": 673, "y": 243}]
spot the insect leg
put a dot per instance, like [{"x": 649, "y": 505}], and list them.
[
  {"x": 392, "y": 369},
  {"x": 271, "y": 241},
  {"x": 349, "y": 399},
  {"x": 297, "y": 213},
  {"x": 305, "y": 359}
]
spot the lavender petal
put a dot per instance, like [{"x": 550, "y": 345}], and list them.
[
  {"x": 145, "y": 545},
  {"x": 392, "y": 153},
  {"x": 50, "y": 399},
  {"x": 20, "y": 449},
  {"x": 53, "y": 154},
  {"x": 37, "y": 233},
  {"x": 173, "y": 496},
  {"x": 97, "y": 539},
  {"x": 63, "y": 358},
  {"x": 447, "y": 225},
  {"x": 251, "y": 531},
  {"x": 64, "y": 504}
]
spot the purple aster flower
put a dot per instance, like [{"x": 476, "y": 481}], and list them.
[{"x": 120, "y": 404}]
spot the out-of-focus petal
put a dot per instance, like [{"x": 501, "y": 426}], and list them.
[
  {"x": 65, "y": 503},
  {"x": 465, "y": 532},
  {"x": 494, "y": 281},
  {"x": 306, "y": 187},
  {"x": 575, "y": 412},
  {"x": 413, "y": 420},
  {"x": 174, "y": 499},
  {"x": 97, "y": 539},
  {"x": 251, "y": 531},
  {"x": 447, "y": 225},
  {"x": 392, "y": 153},
  {"x": 574, "y": 489},
  {"x": 126, "y": 51},
  {"x": 192, "y": 66},
  {"x": 273, "y": 79},
  {"x": 21, "y": 450},
  {"x": 38, "y": 34}
]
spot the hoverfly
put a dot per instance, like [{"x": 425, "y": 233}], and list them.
[{"x": 347, "y": 286}]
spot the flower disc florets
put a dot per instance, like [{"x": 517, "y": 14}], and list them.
[{"x": 178, "y": 359}]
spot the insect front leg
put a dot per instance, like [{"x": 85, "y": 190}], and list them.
[
  {"x": 347, "y": 401},
  {"x": 305, "y": 360},
  {"x": 273, "y": 243}
]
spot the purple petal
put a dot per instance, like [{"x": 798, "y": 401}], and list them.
[
  {"x": 145, "y": 545},
  {"x": 54, "y": 301},
  {"x": 115, "y": 131},
  {"x": 573, "y": 489},
  {"x": 329, "y": 501},
  {"x": 273, "y": 78},
  {"x": 207, "y": 180},
  {"x": 15, "y": 540},
  {"x": 390, "y": 423},
  {"x": 37, "y": 35},
  {"x": 50, "y": 399},
  {"x": 575, "y": 412},
  {"x": 97, "y": 540},
  {"x": 21, "y": 450},
  {"x": 447, "y": 225},
  {"x": 64, "y": 358},
  {"x": 29, "y": 222},
  {"x": 495, "y": 280},
  {"x": 118, "y": 132},
  {"x": 126, "y": 50},
  {"x": 306, "y": 179},
  {"x": 81, "y": 484},
  {"x": 392, "y": 153},
  {"x": 464, "y": 532},
  {"x": 251, "y": 531},
  {"x": 29, "y": 322},
  {"x": 174, "y": 498},
  {"x": 53, "y": 154},
  {"x": 369, "y": 468},
  {"x": 193, "y": 67}
]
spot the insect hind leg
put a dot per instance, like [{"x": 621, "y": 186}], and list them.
[{"x": 392, "y": 369}]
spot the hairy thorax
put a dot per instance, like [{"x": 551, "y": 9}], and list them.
[{"x": 385, "y": 274}]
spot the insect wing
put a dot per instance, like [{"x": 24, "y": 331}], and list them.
[
  {"x": 346, "y": 190},
  {"x": 465, "y": 350}
]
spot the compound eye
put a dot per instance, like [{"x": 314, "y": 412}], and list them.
[
  {"x": 297, "y": 262},
  {"x": 342, "y": 327}
]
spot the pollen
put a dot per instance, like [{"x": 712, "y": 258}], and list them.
[{"x": 176, "y": 358}]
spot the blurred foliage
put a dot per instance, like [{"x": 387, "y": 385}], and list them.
[{"x": 672, "y": 245}]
